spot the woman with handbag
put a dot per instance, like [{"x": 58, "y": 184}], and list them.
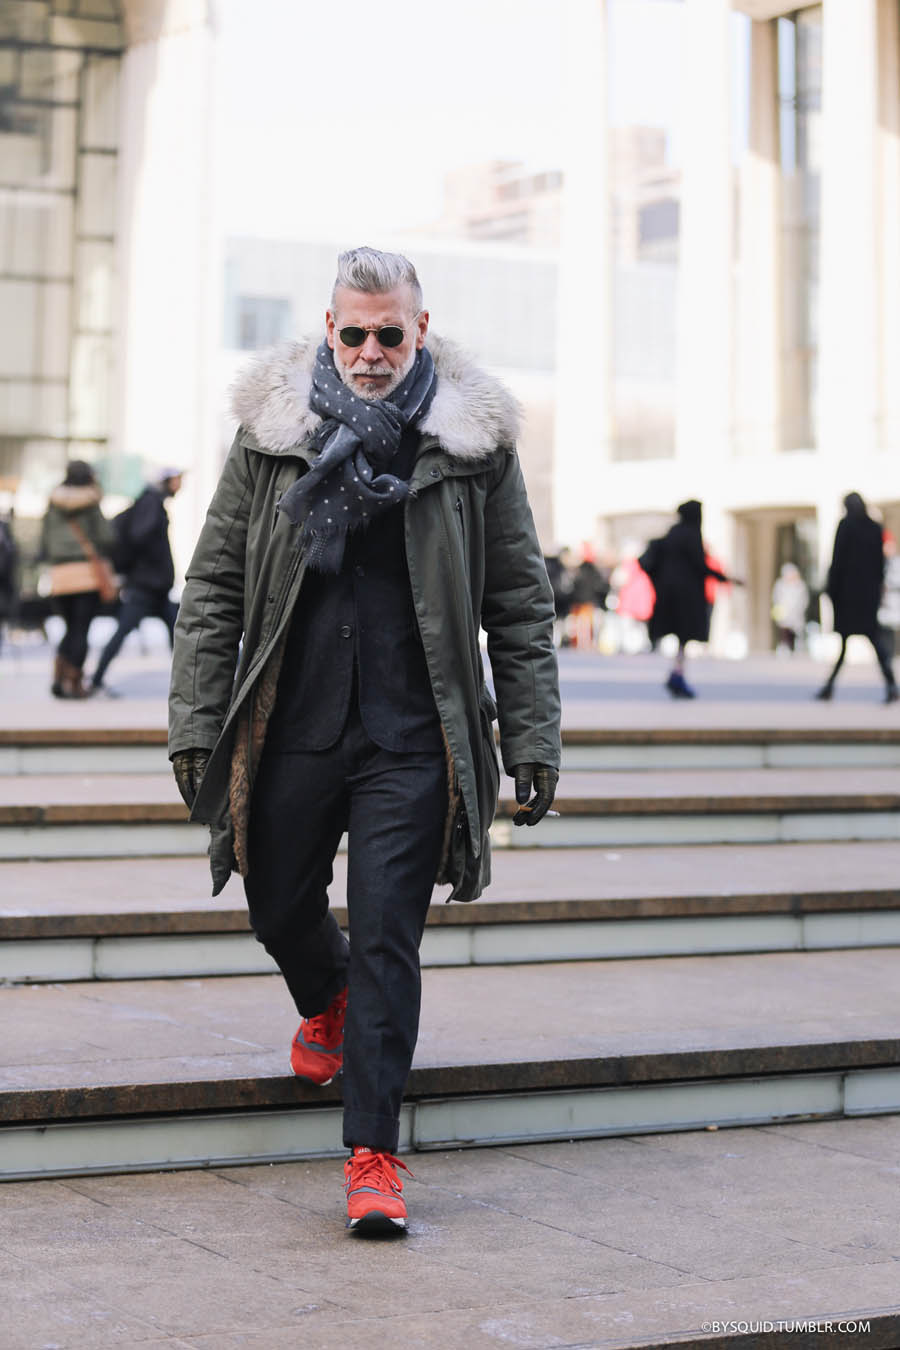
[{"x": 76, "y": 540}]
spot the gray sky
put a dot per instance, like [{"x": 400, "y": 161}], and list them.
[{"x": 353, "y": 111}]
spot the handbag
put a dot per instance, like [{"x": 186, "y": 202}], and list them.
[
  {"x": 72, "y": 578},
  {"x": 103, "y": 578}
]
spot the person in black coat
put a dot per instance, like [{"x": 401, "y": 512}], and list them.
[
  {"x": 147, "y": 566},
  {"x": 854, "y": 587},
  {"x": 677, "y": 566}
]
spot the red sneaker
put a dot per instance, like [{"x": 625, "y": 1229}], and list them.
[
  {"x": 373, "y": 1191},
  {"x": 317, "y": 1050}
]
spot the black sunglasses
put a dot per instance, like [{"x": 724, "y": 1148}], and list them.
[{"x": 389, "y": 336}]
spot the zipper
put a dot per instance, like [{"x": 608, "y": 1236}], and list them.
[{"x": 458, "y": 508}]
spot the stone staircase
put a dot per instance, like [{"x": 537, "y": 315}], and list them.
[{"x": 702, "y": 938}]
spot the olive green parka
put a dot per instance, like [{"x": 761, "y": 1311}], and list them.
[
  {"x": 474, "y": 560},
  {"x": 81, "y": 504}
]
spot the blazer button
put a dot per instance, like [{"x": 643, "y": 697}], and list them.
[{"x": 345, "y": 630}]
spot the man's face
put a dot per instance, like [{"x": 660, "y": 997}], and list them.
[{"x": 373, "y": 371}]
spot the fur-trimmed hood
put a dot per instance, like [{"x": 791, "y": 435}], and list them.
[
  {"x": 69, "y": 497},
  {"x": 471, "y": 415}
]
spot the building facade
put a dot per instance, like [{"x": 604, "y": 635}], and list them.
[{"x": 788, "y": 294}]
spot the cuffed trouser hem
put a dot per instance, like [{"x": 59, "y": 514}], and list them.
[{"x": 364, "y": 1130}]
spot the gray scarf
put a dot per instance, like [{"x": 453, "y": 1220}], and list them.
[{"x": 348, "y": 483}]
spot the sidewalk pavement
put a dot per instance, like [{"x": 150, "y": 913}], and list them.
[
  {"x": 598, "y": 691},
  {"x": 647, "y": 1240}
]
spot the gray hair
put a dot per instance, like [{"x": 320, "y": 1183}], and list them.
[{"x": 370, "y": 270}]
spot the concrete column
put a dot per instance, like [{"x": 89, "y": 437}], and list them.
[
  {"x": 705, "y": 336},
  {"x": 888, "y": 218},
  {"x": 758, "y": 359},
  {"x": 584, "y": 367},
  {"x": 848, "y": 364},
  {"x": 167, "y": 265}
]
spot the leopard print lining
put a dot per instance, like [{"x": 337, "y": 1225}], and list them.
[{"x": 249, "y": 740}]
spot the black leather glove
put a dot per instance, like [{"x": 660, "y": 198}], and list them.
[
  {"x": 189, "y": 766},
  {"x": 544, "y": 779}
]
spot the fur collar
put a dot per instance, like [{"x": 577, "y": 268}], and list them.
[
  {"x": 472, "y": 413},
  {"x": 68, "y": 497}
]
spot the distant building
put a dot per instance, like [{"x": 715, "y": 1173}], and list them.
[{"x": 778, "y": 327}]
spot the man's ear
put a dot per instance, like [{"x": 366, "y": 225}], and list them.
[
  {"x": 329, "y": 328},
  {"x": 422, "y": 326}
]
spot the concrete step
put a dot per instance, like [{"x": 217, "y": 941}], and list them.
[
  {"x": 131, "y": 815},
  {"x": 145, "y": 917},
  {"x": 143, "y": 749},
  {"x": 171, "y": 1073}
]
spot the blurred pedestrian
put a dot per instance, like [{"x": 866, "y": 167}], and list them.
[
  {"x": 677, "y": 566},
  {"x": 590, "y": 587},
  {"x": 562, "y": 583},
  {"x": 76, "y": 540},
  {"x": 9, "y": 573},
  {"x": 854, "y": 587},
  {"x": 889, "y": 613},
  {"x": 143, "y": 556},
  {"x": 790, "y": 599}
]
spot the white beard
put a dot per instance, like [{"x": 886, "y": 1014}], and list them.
[{"x": 353, "y": 379}]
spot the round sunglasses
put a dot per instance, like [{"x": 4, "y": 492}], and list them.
[{"x": 391, "y": 335}]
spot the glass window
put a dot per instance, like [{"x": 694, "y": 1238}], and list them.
[
  {"x": 91, "y": 367},
  {"x": 19, "y": 305},
  {"x": 800, "y": 103},
  {"x": 95, "y": 272},
  {"x": 74, "y": 32},
  {"x": 56, "y": 347},
  {"x": 100, "y": 109},
  {"x": 35, "y": 233},
  {"x": 49, "y": 74},
  {"x": 645, "y": 193},
  {"x": 24, "y": 19},
  {"x": 262, "y": 320},
  {"x": 97, "y": 205},
  {"x": 54, "y": 332}
]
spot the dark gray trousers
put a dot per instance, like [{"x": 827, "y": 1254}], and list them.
[{"x": 393, "y": 807}]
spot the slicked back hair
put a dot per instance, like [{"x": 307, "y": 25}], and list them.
[{"x": 370, "y": 270}]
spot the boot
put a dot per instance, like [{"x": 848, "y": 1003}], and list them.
[
  {"x": 70, "y": 680},
  {"x": 76, "y": 683},
  {"x": 57, "y": 688}
]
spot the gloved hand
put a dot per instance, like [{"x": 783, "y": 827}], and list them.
[
  {"x": 544, "y": 779},
  {"x": 189, "y": 767}
]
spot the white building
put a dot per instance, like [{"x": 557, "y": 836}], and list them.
[
  {"x": 757, "y": 372},
  {"x": 788, "y": 309}
]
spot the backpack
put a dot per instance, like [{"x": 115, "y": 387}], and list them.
[{"x": 122, "y": 553}]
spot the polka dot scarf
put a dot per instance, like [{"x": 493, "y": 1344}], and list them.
[{"x": 348, "y": 483}]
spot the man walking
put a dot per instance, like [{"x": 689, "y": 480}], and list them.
[
  {"x": 145, "y": 560},
  {"x": 327, "y": 676}
]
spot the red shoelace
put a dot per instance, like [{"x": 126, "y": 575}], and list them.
[{"x": 375, "y": 1170}]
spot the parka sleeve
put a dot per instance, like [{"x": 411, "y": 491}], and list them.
[
  {"x": 517, "y": 615},
  {"x": 211, "y": 614}
]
